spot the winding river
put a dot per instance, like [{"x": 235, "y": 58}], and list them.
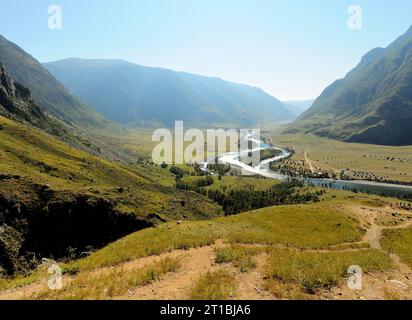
[{"x": 263, "y": 170}]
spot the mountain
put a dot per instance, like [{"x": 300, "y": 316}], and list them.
[
  {"x": 131, "y": 94},
  {"x": 16, "y": 101},
  {"x": 372, "y": 104},
  {"x": 46, "y": 90},
  {"x": 55, "y": 198},
  {"x": 297, "y": 107}
]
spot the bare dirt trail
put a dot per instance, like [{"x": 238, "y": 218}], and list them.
[
  {"x": 249, "y": 284},
  {"x": 198, "y": 261},
  {"x": 316, "y": 165},
  {"x": 404, "y": 269},
  {"x": 308, "y": 161},
  {"x": 23, "y": 293},
  {"x": 374, "y": 231},
  {"x": 195, "y": 263},
  {"x": 393, "y": 284}
]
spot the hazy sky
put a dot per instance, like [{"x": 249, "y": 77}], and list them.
[{"x": 292, "y": 49}]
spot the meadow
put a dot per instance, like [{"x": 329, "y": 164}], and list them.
[{"x": 360, "y": 161}]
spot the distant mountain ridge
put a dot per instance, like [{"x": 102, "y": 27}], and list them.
[
  {"x": 135, "y": 95},
  {"x": 298, "y": 106},
  {"x": 372, "y": 104},
  {"x": 46, "y": 90}
]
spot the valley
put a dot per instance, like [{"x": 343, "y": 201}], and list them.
[
  {"x": 358, "y": 161},
  {"x": 257, "y": 257},
  {"x": 324, "y": 189}
]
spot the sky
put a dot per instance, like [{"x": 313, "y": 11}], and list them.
[{"x": 291, "y": 49}]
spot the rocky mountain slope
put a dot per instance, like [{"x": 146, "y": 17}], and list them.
[
  {"x": 46, "y": 90},
  {"x": 372, "y": 104}
]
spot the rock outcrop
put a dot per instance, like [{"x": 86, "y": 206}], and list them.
[{"x": 16, "y": 101}]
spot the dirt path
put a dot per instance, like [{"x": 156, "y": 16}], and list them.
[
  {"x": 195, "y": 263},
  {"x": 174, "y": 286},
  {"x": 392, "y": 284},
  {"x": 308, "y": 161},
  {"x": 374, "y": 231},
  {"x": 316, "y": 165},
  {"x": 198, "y": 261},
  {"x": 23, "y": 293},
  {"x": 250, "y": 283}
]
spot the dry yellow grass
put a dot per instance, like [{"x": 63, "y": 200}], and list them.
[
  {"x": 313, "y": 270},
  {"x": 110, "y": 283},
  {"x": 217, "y": 285}
]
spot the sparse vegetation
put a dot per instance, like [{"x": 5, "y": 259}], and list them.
[
  {"x": 110, "y": 283},
  {"x": 78, "y": 198},
  {"x": 241, "y": 257},
  {"x": 285, "y": 225},
  {"x": 218, "y": 285},
  {"x": 379, "y": 163},
  {"x": 315, "y": 270},
  {"x": 399, "y": 242}
]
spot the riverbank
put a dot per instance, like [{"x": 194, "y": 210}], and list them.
[{"x": 263, "y": 169}]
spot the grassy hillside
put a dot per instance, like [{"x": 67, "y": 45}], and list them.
[
  {"x": 73, "y": 197},
  {"x": 30, "y": 153},
  {"x": 46, "y": 90},
  {"x": 398, "y": 241},
  {"x": 300, "y": 252}
]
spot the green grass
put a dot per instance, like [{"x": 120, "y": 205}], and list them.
[
  {"x": 217, "y": 285},
  {"x": 314, "y": 270},
  {"x": 375, "y": 159},
  {"x": 324, "y": 225},
  {"x": 228, "y": 183},
  {"x": 22, "y": 280},
  {"x": 150, "y": 242},
  {"x": 112, "y": 283},
  {"x": 241, "y": 257},
  {"x": 399, "y": 242},
  {"x": 148, "y": 189},
  {"x": 309, "y": 226},
  {"x": 295, "y": 266}
]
